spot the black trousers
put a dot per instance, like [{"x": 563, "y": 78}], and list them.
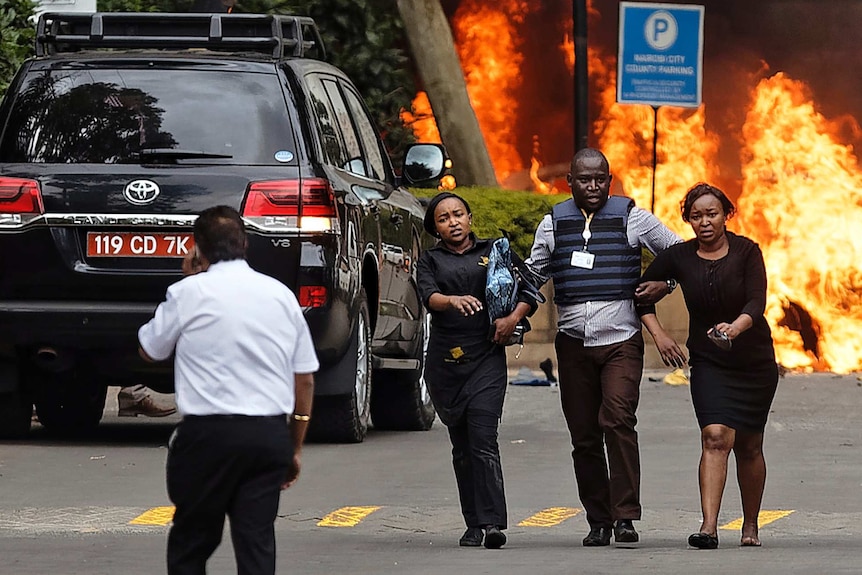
[
  {"x": 476, "y": 459},
  {"x": 599, "y": 393},
  {"x": 226, "y": 466}
]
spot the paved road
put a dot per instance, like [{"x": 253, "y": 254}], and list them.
[{"x": 389, "y": 506}]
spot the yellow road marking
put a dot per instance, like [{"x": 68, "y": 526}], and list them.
[
  {"x": 347, "y": 516},
  {"x": 549, "y": 517},
  {"x": 155, "y": 516},
  {"x": 764, "y": 518}
]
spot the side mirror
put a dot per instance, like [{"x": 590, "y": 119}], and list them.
[{"x": 424, "y": 163}]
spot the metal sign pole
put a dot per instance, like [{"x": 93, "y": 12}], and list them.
[
  {"x": 581, "y": 74},
  {"x": 654, "y": 156}
]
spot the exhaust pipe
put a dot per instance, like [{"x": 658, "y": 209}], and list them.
[
  {"x": 48, "y": 358},
  {"x": 47, "y": 355}
]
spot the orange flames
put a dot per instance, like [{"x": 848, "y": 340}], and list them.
[
  {"x": 800, "y": 196},
  {"x": 421, "y": 120},
  {"x": 802, "y": 202},
  {"x": 488, "y": 46}
]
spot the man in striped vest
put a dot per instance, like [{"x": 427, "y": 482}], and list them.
[{"x": 590, "y": 246}]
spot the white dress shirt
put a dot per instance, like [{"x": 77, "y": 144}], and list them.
[
  {"x": 239, "y": 338},
  {"x": 600, "y": 322}
]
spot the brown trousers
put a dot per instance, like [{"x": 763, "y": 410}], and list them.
[{"x": 599, "y": 392}]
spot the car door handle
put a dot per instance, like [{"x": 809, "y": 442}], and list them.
[{"x": 396, "y": 219}]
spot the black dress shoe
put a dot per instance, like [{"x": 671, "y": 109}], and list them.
[
  {"x": 472, "y": 537},
  {"x": 598, "y": 537},
  {"x": 624, "y": 532},
  {"x": 494, "y": 538},
  {"x": 703, "y": 541}
]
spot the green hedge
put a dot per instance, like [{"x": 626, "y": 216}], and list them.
[
  {"x": 518, "y": 213},
  {"x": 17, "y": 36}
]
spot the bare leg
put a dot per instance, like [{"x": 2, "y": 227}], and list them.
[
  {"x": 717, "y": 441},
  {"x": 751, "y": 476}
]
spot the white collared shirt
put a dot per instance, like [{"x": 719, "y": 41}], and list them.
[{"x": 239, "y": 336}]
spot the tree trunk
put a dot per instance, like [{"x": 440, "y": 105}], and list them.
[{"x": 433, "y": 50}]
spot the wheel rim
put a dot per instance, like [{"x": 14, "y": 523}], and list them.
[{"x": 362, "y": 369}]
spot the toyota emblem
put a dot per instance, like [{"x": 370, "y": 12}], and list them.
[{"x": 141, "y": 192}]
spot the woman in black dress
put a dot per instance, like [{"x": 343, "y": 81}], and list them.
[
  {"x": 464, "y": 368},
  {"x": 733, "y": 370}
]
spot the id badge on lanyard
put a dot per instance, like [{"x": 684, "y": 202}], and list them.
[{"x": 584, "y": 259}]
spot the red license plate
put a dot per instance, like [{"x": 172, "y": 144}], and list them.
[{"x": 141, "y": 245}]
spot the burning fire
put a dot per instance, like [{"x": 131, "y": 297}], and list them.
[
  {"x": 802, "y": 202},
  {"x": 421, "y": 120},
  {"x": 488, "y": 46},
  {"x": 800, "y": 196}
]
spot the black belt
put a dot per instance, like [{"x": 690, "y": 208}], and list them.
[{"x": 222, "y": 416}]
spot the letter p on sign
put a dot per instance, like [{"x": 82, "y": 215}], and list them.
[{"x": 660, "y": 30}]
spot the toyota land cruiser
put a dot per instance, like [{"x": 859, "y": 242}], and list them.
[{"x": 122, "y": 129}]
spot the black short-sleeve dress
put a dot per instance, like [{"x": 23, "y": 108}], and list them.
[{"x": 734, "y": 387}]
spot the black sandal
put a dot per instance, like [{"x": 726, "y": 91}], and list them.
[{"x": 703, "y": 541}]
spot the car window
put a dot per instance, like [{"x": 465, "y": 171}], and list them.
[
  {"x": 333, "y": 150},
  {"x": 356, "y": 162},
  {"x": 370, "y": 140},
  {"x": 106, "y": 116}
]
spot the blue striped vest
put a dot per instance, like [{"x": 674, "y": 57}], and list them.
[{"x": 617, "y": 267}]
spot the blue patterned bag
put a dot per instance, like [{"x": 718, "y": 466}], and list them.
[{"x": 501, "y": 288}]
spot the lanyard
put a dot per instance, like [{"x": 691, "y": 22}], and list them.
[{"x": 587, "y": 234}]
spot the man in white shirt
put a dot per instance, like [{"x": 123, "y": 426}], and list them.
[{"x": 244, "y": 363}]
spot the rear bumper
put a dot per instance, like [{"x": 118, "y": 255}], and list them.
[
  {"x": 106, "y": 333},
  {"x": 103, "y": 335},
  {"x": 78, "y": 325}
]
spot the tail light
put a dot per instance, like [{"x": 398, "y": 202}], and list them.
[
  {"x": 20, "y": 196},
  {"x": 310, "y": 201},
  {"x": 312, "y": 296}
]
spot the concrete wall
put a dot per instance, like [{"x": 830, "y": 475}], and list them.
[{"x": 539, "y": 343}]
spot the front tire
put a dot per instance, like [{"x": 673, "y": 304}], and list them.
[
  {"x": 344, "y": 418},
  {"x": 68, "y": 402}
]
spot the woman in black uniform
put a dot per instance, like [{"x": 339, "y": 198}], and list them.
[
  {"x": 464, "y": 368},
  {"x": 733, "y": 371}
]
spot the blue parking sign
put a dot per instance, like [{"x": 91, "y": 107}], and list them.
[{"x": 660, "y": 60}]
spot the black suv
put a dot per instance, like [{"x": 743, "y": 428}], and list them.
[{"x": 121, "y": 130}]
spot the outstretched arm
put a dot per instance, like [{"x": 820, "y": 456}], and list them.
[
  {"x": 670, "y": 351},
  {"x": 464, "y": 304},
  {"x": 539, "y": 262}
]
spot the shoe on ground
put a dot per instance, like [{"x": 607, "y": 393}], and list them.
[
  {"x": 703, "y": 541},
  {"x": 624, "y": 532},
  {"x": 598, "y": 537},
  {"x": 472, "y": 537},
  {"x": 494, "y": 538},
  {"x": 146, "y": 407}
]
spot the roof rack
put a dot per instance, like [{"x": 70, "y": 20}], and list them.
[{"x": 277, "y": 35}]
